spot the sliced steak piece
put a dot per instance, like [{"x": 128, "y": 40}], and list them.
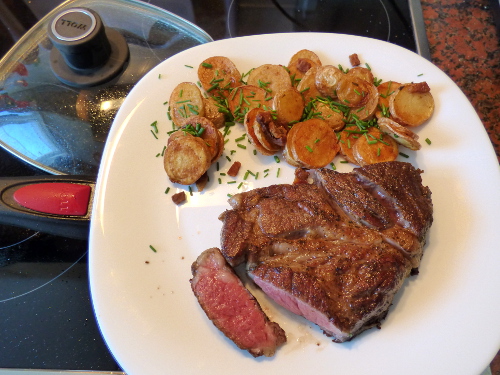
[
  {"x": 399, "y": 187},
  {"x": 343, "y": 288},
  {"x": 360, "y": 205},
  {"x": 231, "y": 307}
]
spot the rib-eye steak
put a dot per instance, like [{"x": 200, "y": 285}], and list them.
[
  {"x": 336, "y": 250},
  {"x": 231, "y": 307}
]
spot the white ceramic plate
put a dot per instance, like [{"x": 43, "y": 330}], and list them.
[{"x": 443, "y": 321}]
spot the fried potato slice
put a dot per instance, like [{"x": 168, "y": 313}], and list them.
[
  {"x": 312, "y": 144},
  {"x": 346, "y": 143},
  {"x": 186, "y": 159},
  {"x": 411, "y": 104},
  {"x": 244, "y": 98},
  {"x": 334, "y": 119},
  {"x": 361, "y": 96},
  {"x": 401, "y": 134},
  {"x": 218, "y": 75},
  {"x": 272, "y": 78},
  {"x": 289, "y": 105},
  {"x": 361, "y": 72},
  {"x": 327, "y": 79},
  {"x": 210, "y": 134},
  {"x": 212, "y": 112},
  {"x": 301, "y": 62},
  {"x": 307, "y": 86},
  {"x": 385, "y": 90},
  {"x": 249, "y": 123},
  {"x": 185, "y": 101},
  {"x": 374, "y": 147}
]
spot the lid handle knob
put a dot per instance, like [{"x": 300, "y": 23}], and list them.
[{"x": 86, "y": 53}]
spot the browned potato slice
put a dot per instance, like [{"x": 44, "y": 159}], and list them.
[
  {"x": 186, "y": 159},
  {"x": 210, "y": 135},
  {"x": 289, "y": 105},
  {"x": 385, "y": 90},
  {"x": 212, "y": 112},
  {"x": 186, "y": 101},
  {"x": 346, "y": 143},
  {"x": 307, "y": 86},
  {"x": 402, "y": 135},
  {"x": 374, "y": 147},
  {"x": 272, "y": 78},
  {"x": 249, "y": 123},
  {"x": 361, "y": 72},
  {"x": 327, "y": 78},
  {"x": 352, "y": 91},
  {"x": 301, "y": 62},
  {"x": 358, "y": 94},
  {"x": 218, "y": 75},
  {"x": 412, "y": 104},
  {"x": 313, "y": 144},
  {"x": 245, "y": 98},
  {"x": 334, "y": 119}
]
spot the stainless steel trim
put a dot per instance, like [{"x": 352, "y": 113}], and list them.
[{"x": 417, "y": 20}]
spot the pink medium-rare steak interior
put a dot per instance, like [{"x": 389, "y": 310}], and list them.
[{"x": 231, "y": 307}]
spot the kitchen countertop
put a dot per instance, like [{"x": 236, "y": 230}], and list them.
[{"x": 464, "y": 43}]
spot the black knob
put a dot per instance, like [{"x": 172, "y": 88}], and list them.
[{"x": 87, "y": 53}]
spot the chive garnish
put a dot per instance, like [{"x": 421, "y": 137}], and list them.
[
  {"x": 152, "y": 248},
  {"x": 188, "y": 66},
  {"x": 404, "y": 155},
  {"x": 428, "y": 141},
  {"x": 276, "y": 159},
  {"x": 206, "y": 65},
  {"x": 309, "y": 149},
  {"x": 152, "y": 132},
  {"x": 166, "y": 191}
]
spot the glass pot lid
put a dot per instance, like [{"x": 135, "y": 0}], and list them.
[{"x": 58, "y": 101}]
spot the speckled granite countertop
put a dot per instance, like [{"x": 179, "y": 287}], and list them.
[{"x": 464, "y": 43}]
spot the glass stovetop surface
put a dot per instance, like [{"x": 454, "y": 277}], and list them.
[{"x": 47, "y": 317}]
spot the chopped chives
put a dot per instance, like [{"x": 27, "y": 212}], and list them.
[
  {"x": 152, "y": 132},
  {"x": 167, "y": 190},
  {"x": 228, "y": 158},
  {"x": 255, "y": 152},
  {"x": 231, "y": 182},
  {"x": 152, "y": 248},
  {"x": 309, "y": 149},
  {"x": 404, "y": 155},
  {"x": 206, "y": 65},
  {"x": 222, "y": 174},
  {"x": 278, "y": 172},
  {"x": 220, "y": 181},
  {"x": 276, "y": 159},
  {"x": 428, "y": 141},
  {"x": 242, "y": 146},
  {"x": 188, "y": 66},
  {"x": 241, "y": 183}
]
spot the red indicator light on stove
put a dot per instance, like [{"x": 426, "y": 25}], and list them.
[{"x": 55, "y": 198}]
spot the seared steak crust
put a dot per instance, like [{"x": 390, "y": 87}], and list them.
[{"x": 335, "y": 251}]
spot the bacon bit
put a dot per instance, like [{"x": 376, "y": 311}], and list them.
[
  {"x": 179, "y": 198},
  {"x": 202, "y": 181},
  {"x": 301, "y": 176},
  {"x": 303, "y": 65},
  {"x": 421, "y": 87},
  {"x": 354, "y": 59},
  {"x": 233, "y": 171}
]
